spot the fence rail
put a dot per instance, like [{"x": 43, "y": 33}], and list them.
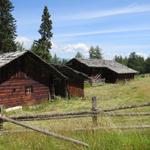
[
  {"x": 93, "y": 113},
  {"x": 46, "y": 132}
]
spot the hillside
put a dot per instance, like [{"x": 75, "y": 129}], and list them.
[{"x": 108, "y": 96}]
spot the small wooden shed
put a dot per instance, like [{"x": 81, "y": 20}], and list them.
[
  {"x": 74, "y": 84},
  {"x": 109, "y": 70},
  {"x": 26, "y": 79}
]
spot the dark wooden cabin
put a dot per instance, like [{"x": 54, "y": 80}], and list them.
[
  {"x": 109, "y": 70},
  {"x": 26, "y": 79},
  {"x": 75, "y": 82}
]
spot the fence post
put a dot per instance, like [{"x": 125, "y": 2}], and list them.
[
  {"x": 1, "y": 120},
  {"x": 94, "y": 109}
]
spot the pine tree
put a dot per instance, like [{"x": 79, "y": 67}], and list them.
[
  {"x": 78, "y": 55},
  {"x": 95, "y": 52},
  {"x": 92, "y": 52},
  {"x": 56, "y": 60},
  {"x": 136, "y": 62},
  {"x": 43, "y": 45},
  {"x": 121, "y": 60},
  {"x": 64, "y": 61},
  {"x": 147, "y": 65},
  {"x": 20, "y": 46},
  {"x": 98, "y": 52},
  {"x": 7, "y": 27}
]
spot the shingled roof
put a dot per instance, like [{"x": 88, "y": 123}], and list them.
[
  {"x": 6, "y": 58},
  {"x": 70, "y": 73},
  {"x": 110, "y": 64}
]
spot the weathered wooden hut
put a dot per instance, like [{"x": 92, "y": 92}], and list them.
[
  {"x": 109, "y": 70},
  {"x": 75, "y": 82},
  {"x": 26, "y": 79}
]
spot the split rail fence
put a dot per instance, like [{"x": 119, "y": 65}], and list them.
[{"x": 93, "y": 113}]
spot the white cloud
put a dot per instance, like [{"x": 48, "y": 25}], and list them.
[
  {"x": 76, "y": 47},
  {"x": 108, "y": 50},
  {"x": 98, "y": 14},
  {"x": 70, "y": 49},
  {"x": 54, "y": 45},
  {"x": 25, "y": 41},
  {"x": 117, "y": 30},
  {"x": 142, "y": 54}
]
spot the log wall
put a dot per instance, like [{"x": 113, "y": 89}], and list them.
[
  {"x": 76, "y": 89},
  {"x": 107, "y": 74},
  {"x": 14, "y": 92}
]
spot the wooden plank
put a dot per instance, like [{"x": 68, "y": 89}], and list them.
[
  {"x": 48, "y": 133},
  {"x": 1, "y": 120},
  {"x": 94, "y": 109},
  {"x": 74, "y": 115},
  {"x": 127, "y": 107}
]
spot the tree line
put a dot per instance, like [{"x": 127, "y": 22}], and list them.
[
  {"x": 94, "y": 53},
  {"x": 136, "y": 62}
]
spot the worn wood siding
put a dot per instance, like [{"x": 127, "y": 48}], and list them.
[
  {"x": 109, "y": 75},
  {"x": 80, "y": 67},
  {"x": 25, "y": 71},
  {"x": 12, "y": 91},
  {"x": 76, "y": 89},
  {"x": 60, "y": 88},
  {"x": 125, "y": 76}
]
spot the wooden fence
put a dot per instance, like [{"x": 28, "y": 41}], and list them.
[{"x": 94, "y": 113}]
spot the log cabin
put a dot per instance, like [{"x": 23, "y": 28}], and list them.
[
  {"x": 26, "y": 79},
  {"x": 109, "y": 70},
  {"x": 75, "y": 82}
]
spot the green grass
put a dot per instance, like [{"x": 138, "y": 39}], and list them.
[
  {"x": 98, "y": 140},
  {"x": 108, "y": 96}
]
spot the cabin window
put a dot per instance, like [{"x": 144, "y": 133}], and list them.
[
  {"x": 13, "y": 91},
  {"x": 28, "y": 90}
]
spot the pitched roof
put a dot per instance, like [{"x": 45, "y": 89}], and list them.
[
  {"x": 110, "y": 64},
  {"x": 6, "y": 58},
  {"x": 70, "y": 73}
]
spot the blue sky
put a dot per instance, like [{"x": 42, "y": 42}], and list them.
[{"x": 117, "y": 26}]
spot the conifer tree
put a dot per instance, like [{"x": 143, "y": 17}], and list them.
[
  {"x": 147, "y": 65},
  {"x": 121, "y": 60},
  {"x": 64, "y": 61},
  {"x": 95, "y": 52},
  {"x": 7, "y": 27},
  {"x": 98, "y": 52},
  {"x": 20, "y": 46},
  {"x": 42, "y": 46},
  {"x": 78, "y": 55},
  {"x": 56, "y": 60},
  {"x": 136, "y": 62}
]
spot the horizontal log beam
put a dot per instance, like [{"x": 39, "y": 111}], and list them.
[
  {"x": 127, "y": 107},
  {"x": 48, "y": 133},
  {"x": 91, "y": 114}
]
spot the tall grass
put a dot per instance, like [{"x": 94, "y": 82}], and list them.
[
  {"x": 98, "y": 140},
  {"x": 108, "y": 95}
]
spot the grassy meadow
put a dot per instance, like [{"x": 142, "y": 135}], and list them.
[{"x": 108, "y": 96}]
